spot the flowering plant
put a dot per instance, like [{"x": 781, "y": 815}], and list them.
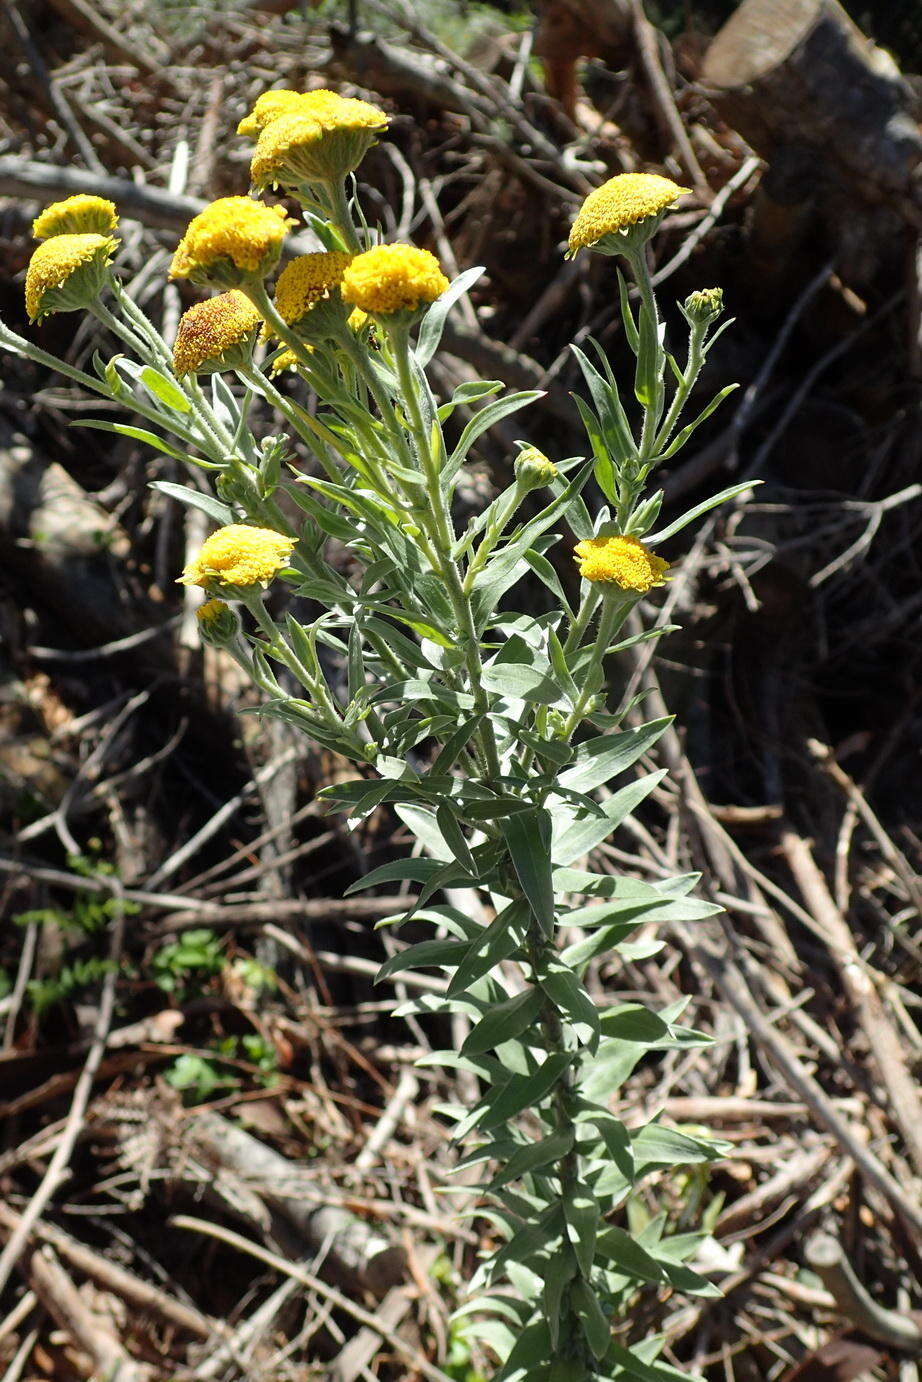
[{"x": 484, "y": 727}]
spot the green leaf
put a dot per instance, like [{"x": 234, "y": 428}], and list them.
[
  {"x": 567, "y": 994},
  {"x": 655, "y": 1145},
  {"x": 631, "y": 1365},
  {"x": 528, "y": 837},
  {"x": 626, "y": 1255},
  {"x": 529, "y": 1359},
  {"x": 469, "y": 392},
  {"x": 487, "y": 417},
  {"x": 689, "y": 517},
  {"x": 600, "y": 759},
  {"x": 503, "y": 1022},
  {"x": 578, "y": 839},
  {"x": 522, "y": 1091},
  {"x": 221, "y": 513},
  {"x": 523, "y": 683},
  {"x": 441, "y": 953},
  {"x": 164, "y": 389},
  {"x": 633, "y": 1022},
  {"x": 397, "y": 871},
  {"x": 705, "y": 413},
  {"x": 581, "y": 1209},
  {"x": 533, "y": 1155},
  {"x": 140, "y": 434},
  {"x": 627, "y": 315},
  {"x": 494, "y": 944},
  {"x": 447, "y": 822},
  {"x": 433, "y": 323},
  {"x": 614, "y": 1135},
  {"x": 561, "y": 1270},
  {"x": 548, "y": 576},
  {"x": 596, "y": 1325}
]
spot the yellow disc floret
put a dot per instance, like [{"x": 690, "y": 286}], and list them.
[
  {"x": 66, "y": 273},
  {"x": 79, "y": 215},
  {"x": 216, "y": 334},
  {"x": 621, "y": 561},
  {"x": 232, "y": 240},
  {"x": 239, "y": 555},
  {"x": 620, "y": 203},
  {"x": 393, "y": 278},
  {"x": 269, "y": 106},
  {"x": 307, "y": 280}
]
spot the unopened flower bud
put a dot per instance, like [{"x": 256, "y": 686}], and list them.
[
  {"x": 533, "y": 470},
  {"x": 703, "y": 306},
  {"x": 217, "y": 623}
]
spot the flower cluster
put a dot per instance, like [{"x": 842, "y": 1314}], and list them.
[
  {"x": 621, "y": 561},
  {"x": 240, "y": 556},
  {"x": 393, "y": 278},
  {"x": 233, "y": 240},
  {"x": 214, "y": 335},
  {"x": 620, "y": 203}
]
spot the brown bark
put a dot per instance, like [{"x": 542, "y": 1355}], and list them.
[{"x": 831, "y": 114}]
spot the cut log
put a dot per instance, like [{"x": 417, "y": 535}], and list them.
[{"x": 801, "y": 73}]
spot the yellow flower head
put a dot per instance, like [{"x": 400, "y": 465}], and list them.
[
  {"x": 620, "y": 561},
  {"x": 78, "y": 215},
  {"x": 620, "y": 203},
  {"x": 239, "y": 556},
  {"x": 216, "y": 334},
  {"x": 307, "y": 280},
  {"x": 393, "y": 278},
  {"x": 66, "y": 273},
  {"x": 321, "y": 139},
  {"x": 269, "y": 106},
  {"x": 232, "y": 240}
]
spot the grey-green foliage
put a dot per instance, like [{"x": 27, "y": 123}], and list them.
[{"x": 487, "y": 730}]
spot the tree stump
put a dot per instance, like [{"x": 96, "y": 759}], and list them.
[{"x": 830, "y": 113}]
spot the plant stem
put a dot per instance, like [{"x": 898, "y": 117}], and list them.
[
  {"x": 444, "y": 538},
  {"x": 650, "y": 358},
  {"x": 689, "y": 378}
]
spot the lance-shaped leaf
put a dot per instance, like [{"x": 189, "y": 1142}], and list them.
[
  {"x": 581, "y": 1210},
  {"x": 528, "y": 837},
  {"x": 503, "y": 1022},
  {"x": 433, "y": 324},
  {"x": 706, "y": 504},
  {"x": 596, "y": 1324},
  {"x": 683, "y": 436},
  {"x": 494, "y": 944},
  {"x": 532, "y": 1156},
  {"x": 601, "y": 759},
  {"x": 576, "y": 840}
]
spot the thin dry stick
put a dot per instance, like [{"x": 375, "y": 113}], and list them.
[
  {"x": 825, "y": 1255},
  {"x": 313, "y": 1283},
  {"x": 882, "y": 1036},
  {"x": 712, "y": 954},
  {"x": 142, "y": 1294},
  {"x": 57, "y": 1166},
  {"x": 648, "y": 47},
  {"x": 715, "y": 211},
  {"x": 65, "y": 1304}
]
